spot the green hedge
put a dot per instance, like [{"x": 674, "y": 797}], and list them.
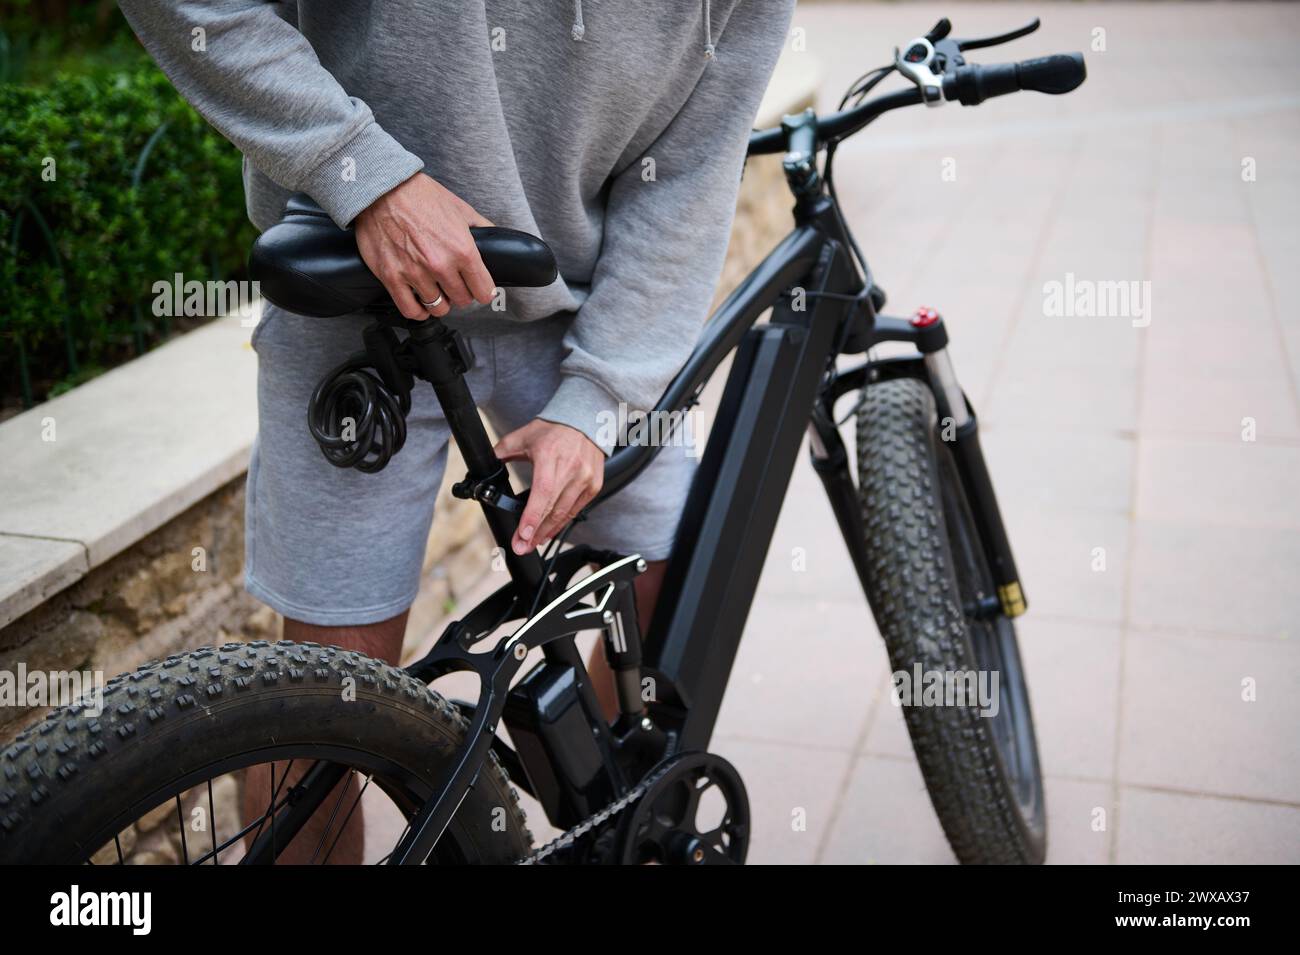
[{"x": 66, "y": 316}]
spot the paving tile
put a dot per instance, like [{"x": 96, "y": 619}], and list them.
[
  {"x": 1215, "y": 578},
  {"x": 806, "y": 673},
  {"x": 1107, "y": 347},
  {"x": 1073, "y": 676},
  {"x": 1056, "y": 552},
  {"x": 1055, "y": 395},
  {"x": 1291, "y": 339},
  {"x": 1175, "y": 829},
  {"x": 1186, "y": 726},
  {"x": 1190, "y": 402},
  {"x": 885, "y": 818},
  {"x": 807, "y": 556},
  {"x": 1198, "y": 344},
  {"x": 1072, "y": 820},
  {"x": 1037, "y": 468},
  {"x": 1187, "y": 251},
  {"x": 887, "y": 735},
  {"x": 1209, "y": 481},
  {"x": 791, "y": 792}
]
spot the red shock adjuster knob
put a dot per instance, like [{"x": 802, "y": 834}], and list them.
[{"x": 924, "y": 317}]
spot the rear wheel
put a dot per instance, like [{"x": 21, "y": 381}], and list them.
[
  {"x": 160, "y": 775},
  {"x": 930, "y": 585}
]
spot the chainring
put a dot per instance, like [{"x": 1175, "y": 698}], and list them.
[{"x": 665, "y": 825}]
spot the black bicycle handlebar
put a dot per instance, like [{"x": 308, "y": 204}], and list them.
[
  {"x": 836, "y": 125},
  {"x": 970, "y": 85}
]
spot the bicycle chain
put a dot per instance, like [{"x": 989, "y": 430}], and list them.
[{"x": 568, "y": 838}]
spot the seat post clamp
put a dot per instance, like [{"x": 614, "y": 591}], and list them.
[{"x": 487, "y": 491}]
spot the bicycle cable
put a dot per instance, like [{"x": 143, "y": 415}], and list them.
[
  {"x": 864, "y": 84},
  {"x": 552, "y": 554}
]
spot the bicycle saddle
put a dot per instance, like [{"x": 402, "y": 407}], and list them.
[{"x": 308, "y": 265}]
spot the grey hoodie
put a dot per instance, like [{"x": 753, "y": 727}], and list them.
[{"x": 614, "y": 130}]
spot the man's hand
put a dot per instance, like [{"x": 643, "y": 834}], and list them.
[
  {"x": 416, "y": 239},
  {"x": 568, "y": 471}
]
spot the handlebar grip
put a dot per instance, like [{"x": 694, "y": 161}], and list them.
[
  {"x": 973, "y": 84},
  {"x": 1055, "y": 74}
]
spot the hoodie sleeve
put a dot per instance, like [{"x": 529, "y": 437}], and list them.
[
  {"x": 665, "y": 240},
  {"x": 250, "y": 73}
]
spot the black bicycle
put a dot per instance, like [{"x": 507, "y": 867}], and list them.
[{"x": 920, "y": 521}]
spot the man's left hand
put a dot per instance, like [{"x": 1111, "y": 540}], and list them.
[{"x": 568, "y": 471}]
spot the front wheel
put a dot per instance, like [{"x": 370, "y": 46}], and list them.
[{"x": 929, "y": 591}]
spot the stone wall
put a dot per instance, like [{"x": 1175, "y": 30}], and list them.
[
  {"x": 182, "y": 587},
  {"x": 178, "y": 588}
]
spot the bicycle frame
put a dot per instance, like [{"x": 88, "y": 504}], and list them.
[{"x": 782, "y": 383}]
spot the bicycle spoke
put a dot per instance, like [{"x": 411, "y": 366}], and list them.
[
  {"x": 355, "y": 803},
  {"x": 180, "y": 818},
  {"x": 343, "y": 791},
  {"x": 212, "y": 824},
  {"x": 257, "y": 824},
  {"x": 270, "y": 813}
]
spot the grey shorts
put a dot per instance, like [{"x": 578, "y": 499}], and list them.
[{"x": 337, "y": 547}]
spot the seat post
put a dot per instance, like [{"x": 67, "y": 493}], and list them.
[{"x": 442, "y": 358}]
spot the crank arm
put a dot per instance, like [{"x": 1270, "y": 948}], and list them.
[{"x": 695, "y": 850}]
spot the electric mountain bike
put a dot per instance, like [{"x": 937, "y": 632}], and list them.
[{"x": 919, "y": 518}]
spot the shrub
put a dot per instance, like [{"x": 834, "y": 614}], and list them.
[{"x": 69, "y": 150}]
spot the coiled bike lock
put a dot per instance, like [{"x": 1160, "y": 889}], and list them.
[{"x": 357, "y": 414}]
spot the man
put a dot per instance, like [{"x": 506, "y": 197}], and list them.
[{"x": 615, "y": 131}]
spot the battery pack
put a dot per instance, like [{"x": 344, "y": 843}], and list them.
[{"x": 554, "y": 741}]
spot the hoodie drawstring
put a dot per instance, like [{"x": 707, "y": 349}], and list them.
[{"x": 579, "y": 29}]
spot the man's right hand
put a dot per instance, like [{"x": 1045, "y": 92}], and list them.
[{"x": 416, "y": 240}]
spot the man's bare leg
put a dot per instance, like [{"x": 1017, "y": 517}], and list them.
[
  {"x": 647, "y": 587},
  {"x": 383, "y": 641}
]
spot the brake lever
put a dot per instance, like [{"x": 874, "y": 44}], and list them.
[
  {"x": 1016, "y": 34},
  {"x": 939, "y": 30}
]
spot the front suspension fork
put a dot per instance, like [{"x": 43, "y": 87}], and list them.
[
  {"x": 976, "y": 482},
  {"x": 959, "y": 430}
]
